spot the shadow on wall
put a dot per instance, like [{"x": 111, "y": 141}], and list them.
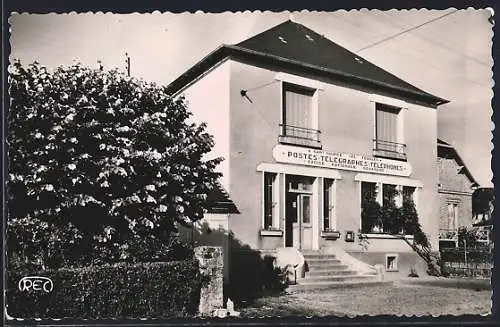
[{"x": 248, "y": 274}]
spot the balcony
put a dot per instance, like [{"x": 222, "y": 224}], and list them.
[
  {"x": 391, "y": 150},
  {"x": 448, "y": 234},
  {"x": 299, "y": 136}
]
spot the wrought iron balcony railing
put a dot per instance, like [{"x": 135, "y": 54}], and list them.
[
  {"x": 448, "y": 234},
  {"x": 300, "y": 132},
  {"x": 389, "y": 149}
]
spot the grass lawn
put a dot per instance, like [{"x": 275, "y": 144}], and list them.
[{"x": 374, "y": 300}]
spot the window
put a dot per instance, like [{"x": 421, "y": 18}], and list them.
[
  {"x": 378, "y": 201},
  {"x": 391, "y": 262},
  {"x": 306, "y": 209},
  {"x": 408, "y": 194},
  {"x": 370, "y": 208},
  {"x": 448, "y": 227},
  {"x": 369, "y": 190},
  {"x": 270, "y": 201},
  {"x": 300, "y": 183},
  {"x": 328, "y": 205},
  {"x": 299, "y": 116},
  {"x": 389, "y": 194},
  {"x": 389, "y": 132},
  {"x": 452, "y": 216}
]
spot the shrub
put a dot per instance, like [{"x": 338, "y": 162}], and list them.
[
  {"x": 100, "y": 164},
  {"x": 252, "y": 276},
  {"x": 468, "y": 235},
  {"x": 413, "y": 272},
  {"x": 111, "y": 291}
]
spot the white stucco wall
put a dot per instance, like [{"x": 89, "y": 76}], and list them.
[{"x": 208, "y": 100}]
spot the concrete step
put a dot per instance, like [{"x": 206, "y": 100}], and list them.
[
  {"x": 334, "y": 266},
  {"x": 336, "y": 285},
  {"x": 334, "y": 278},
  {"x": 322, "y": 261},
  {"x": 330, "y": 272}
]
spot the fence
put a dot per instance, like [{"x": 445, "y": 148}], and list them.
[{"x": 474, "y": 262}]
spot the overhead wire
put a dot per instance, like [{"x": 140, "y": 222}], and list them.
[
  {"x": 417, "y": 58},
  {"x": 430, "y": 40},
  {"x": 406, "y": 31}
]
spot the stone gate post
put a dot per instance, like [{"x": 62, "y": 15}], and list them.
[{"x": 211, "y": 260}]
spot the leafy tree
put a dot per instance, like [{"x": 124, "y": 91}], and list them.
[{"x": 101, "y": 166}]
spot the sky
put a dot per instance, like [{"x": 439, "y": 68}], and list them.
[{"x": 444, "y": 52}]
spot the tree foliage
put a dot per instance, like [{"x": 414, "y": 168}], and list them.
[
  {"x": 100, "y": 164},
  {"x": 398, "y": 221}
]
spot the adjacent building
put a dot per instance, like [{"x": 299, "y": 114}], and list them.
[
  {"x": 482, "y": 213},
  {"x": 307, "y": 129},
  {"x": 455, "y": 186}
]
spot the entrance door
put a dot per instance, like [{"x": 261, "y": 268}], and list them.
[
  {"x": 302, "y": 231},
  {"x": 298, "y": 211}
]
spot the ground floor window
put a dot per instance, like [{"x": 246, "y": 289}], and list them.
[
  {"x": 270, "y": 192},
  {"x": 386, "y": 207},
  {"x": 328, "y": 205}
]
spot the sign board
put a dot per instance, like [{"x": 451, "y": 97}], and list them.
[{"x": 340, "y": 160}]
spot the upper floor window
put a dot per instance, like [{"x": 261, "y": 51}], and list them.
[
  {"x": 389, "y": 132},
  {"x": 299, "y": 123}
]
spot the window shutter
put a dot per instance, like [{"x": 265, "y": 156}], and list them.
[
  {"x": 387, "y": 124},
  {"x": 298, "y": 111}
]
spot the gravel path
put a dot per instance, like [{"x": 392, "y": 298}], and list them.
[{"x": 376, "y": 300}]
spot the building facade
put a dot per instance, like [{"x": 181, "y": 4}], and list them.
[
  {"x": 307, "y": 128},
  {"x": 455, "y": 186},
  {"x": 483, "y": 200}
]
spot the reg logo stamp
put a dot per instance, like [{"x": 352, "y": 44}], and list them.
[{"x": 35, "y": 283}]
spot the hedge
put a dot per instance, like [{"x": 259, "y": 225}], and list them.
[{"x": 152, "y": 290}]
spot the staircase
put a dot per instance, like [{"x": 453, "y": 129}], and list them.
[{"x": 326, "y": 271}]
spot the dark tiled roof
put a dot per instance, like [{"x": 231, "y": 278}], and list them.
[
  {"x": 219, "y": 201},
  {"x": 293, "y": 46},
  {"x": 446, "y": 150}
]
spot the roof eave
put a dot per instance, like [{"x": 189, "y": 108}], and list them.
[
  {"x": 459, "y": 160},
  {"x": 431, "y": 99},
  {"x": 190, "y": 75},
  {"x": 225, "y": 51}
]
